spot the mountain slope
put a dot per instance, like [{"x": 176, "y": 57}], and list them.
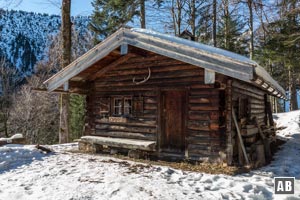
[{"x": 26, "y": 36}]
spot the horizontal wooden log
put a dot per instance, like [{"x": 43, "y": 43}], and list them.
[
  {"x": 257, "y": 106},
  {"x": 158, "y": 71},
  {"x": 128, "y": 135},
  {"x": 125, "y": 128},
  {"x": 257, "y": 101},
  {"x": 150, "y": 100},
  {"x": 248, "y": 88},
  {"x": 203, "y": 100},
  {"x": 150, "y": 106},
  {"x": 260, "y": 111},
  {"x": 246, "y": 93},
  {"x": 204, "y": 93},
  {"x": 121, "y": 143},
  {"x": 128, "y": 123},
  {"x": 151, "y": 82},
  {"x": 195, "y": 115},
  {"x": 196, "y": 133},
  {"x": 204, "y": 108}
]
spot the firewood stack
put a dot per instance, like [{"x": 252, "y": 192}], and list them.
[{"x": 257, "y": 140}]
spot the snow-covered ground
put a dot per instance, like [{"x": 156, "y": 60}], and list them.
[{"x": 26, "y": 173}]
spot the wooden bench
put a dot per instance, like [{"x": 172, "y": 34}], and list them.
[{"x": 130, "y": 144}]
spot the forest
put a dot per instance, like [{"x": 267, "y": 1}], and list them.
[{"x": 267, "y": 31}]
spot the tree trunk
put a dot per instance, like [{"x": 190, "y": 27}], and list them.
[
  {"x": 142, "y": 14},
  {"x": 294, "y": 103},
  {"x": 193, "y": 18},
  {"x": 65, "y": 61},
  {"x": 226, "y": 16},
  {"x": 214, "y": 36},
  {"x": 251, "y": 44}
]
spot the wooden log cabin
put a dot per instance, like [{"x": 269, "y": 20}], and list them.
[{"x": 166, "y": 95}]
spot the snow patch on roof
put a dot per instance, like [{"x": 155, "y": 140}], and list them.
[{"x": 197, "y": 45}]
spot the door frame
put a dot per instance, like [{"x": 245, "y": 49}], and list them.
[{"x": 161, "y": 125}]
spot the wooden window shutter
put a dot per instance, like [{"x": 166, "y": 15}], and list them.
[
  {"x": 138, "y": 106},
  {"x": 104, "y": 104}
]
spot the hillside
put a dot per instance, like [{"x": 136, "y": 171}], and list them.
[{"x": 26, "y": 36}]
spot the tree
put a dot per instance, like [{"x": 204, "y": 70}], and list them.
[
  {"x": 66, "y": 59},
  {"x": 109, "y": 15},
  {"x": 282, "y": 48},
  {"x": 34, "y": 114},
  {"x": 8, "y": 82},
  {"x": 230, "y": 29}
]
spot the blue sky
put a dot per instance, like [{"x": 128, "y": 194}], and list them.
[{"x": 79, "y": 7}]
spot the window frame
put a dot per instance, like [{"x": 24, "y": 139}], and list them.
[{"x": 123, "y": 106}]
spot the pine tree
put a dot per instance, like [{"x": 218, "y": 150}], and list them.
[
  {"x": 230, "y": 29},
  {"x": 109, "y": 15},
  {"x": 282, "y": 47}
]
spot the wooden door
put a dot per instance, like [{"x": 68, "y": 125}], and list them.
[{"x": 173, "y": 120}]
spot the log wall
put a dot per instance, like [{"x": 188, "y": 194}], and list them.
[
  {"x": 205, "y": 121},
  {"x": 255, "y": 99}
]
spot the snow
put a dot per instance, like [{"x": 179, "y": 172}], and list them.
[
  {"x": 27, "y": 173},
  {"x": 16, "y": 136},
  {"x": 199, "y": 46}
]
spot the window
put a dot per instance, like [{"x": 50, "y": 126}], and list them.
[
  {"x": 122, "y": 106},
  {"x": 127, "y": 106},
  {"x": 118, "y": 106}
]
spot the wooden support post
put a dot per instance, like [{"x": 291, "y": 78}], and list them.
[
  {"x": 239, "y": 135},
  {"x": 228, "y": 101}
]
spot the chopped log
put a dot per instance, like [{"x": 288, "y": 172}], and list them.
[
  {"x": 44, "y": 149},
  {"x": 249, "y": 131},
  {"x": 239, "y": 135},
  {"x": 260, "y": 153},
  {"x": 266, "y": 142}
]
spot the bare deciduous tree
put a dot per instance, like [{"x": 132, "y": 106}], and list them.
[{"x": 8, "y": 82}]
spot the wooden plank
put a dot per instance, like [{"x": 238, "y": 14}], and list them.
[
  {"x": 248, "y": 87},
  {"x": 244, "y": 92},
  {"x": 155, "y": 69},
  {"x": 126, "y": 128},
  {"x": 85, "y": 61},
  {"x": 134, "y": 124},
  {"x": 110, "y": 66},
  {"x": 128, "y": 135},
  {"x": 239, "y": 135},
  {"x": 152, "y": 81},
  {"x": 121, "y": 143},
  {"x": 203, "y": 108},
  {"x": 198, "y": 115}
]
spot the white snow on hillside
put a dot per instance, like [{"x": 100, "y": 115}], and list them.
[{"x": 26, "y": 173}]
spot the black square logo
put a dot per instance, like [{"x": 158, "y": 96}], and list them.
[{"x": 284, "y": 185}]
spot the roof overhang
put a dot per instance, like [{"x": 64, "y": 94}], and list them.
[{"x": 204, "y": 56}]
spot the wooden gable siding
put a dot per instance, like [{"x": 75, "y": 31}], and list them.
[
  {"x": 255, "y": 98},
  {"x": 203, "y": 136}
]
